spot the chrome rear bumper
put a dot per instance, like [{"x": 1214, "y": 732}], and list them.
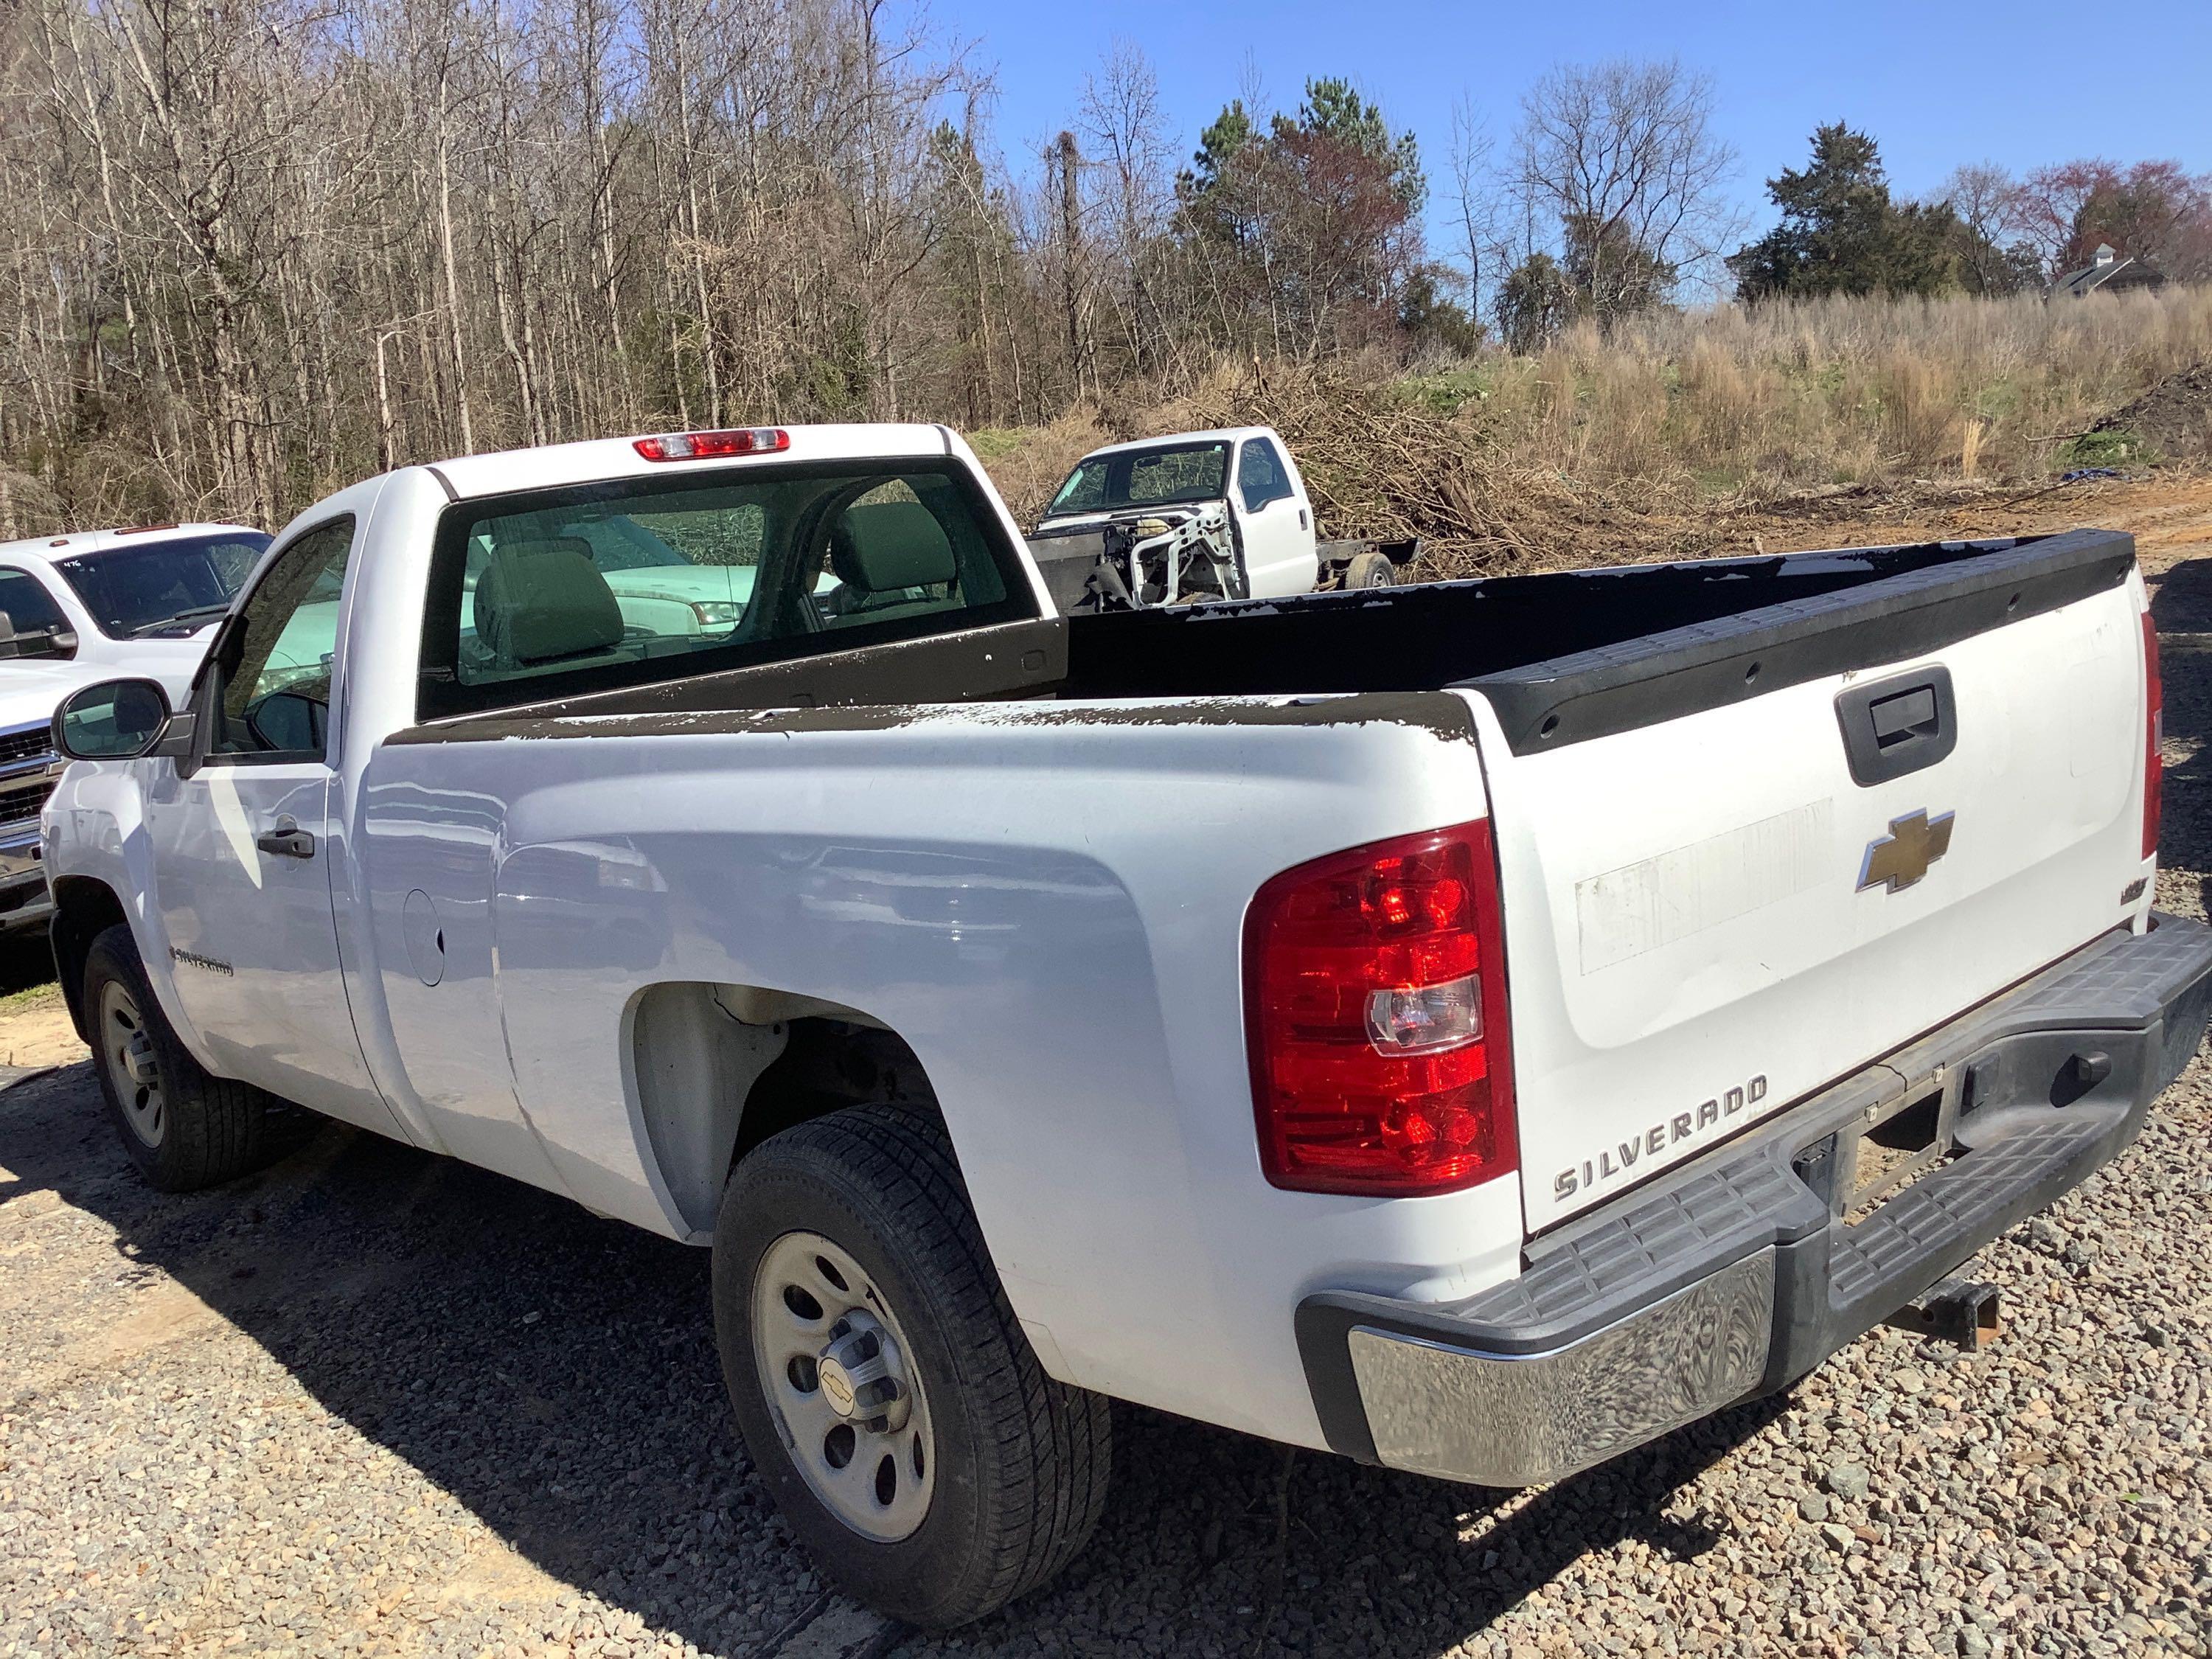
[{"x": 1737, "y": 1273}]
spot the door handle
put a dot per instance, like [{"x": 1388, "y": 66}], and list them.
[
  {"x": 1897, "y": 725},
  {"x": 286, "y": 841}
]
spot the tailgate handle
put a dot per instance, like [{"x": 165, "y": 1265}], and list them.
[{"x": 1897, "y": 725}]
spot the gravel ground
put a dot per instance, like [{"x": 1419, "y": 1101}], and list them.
[{"x": 370, "y": 1402}]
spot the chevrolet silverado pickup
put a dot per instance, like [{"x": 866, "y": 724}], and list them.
[{"x": 1472, "y": 1028}]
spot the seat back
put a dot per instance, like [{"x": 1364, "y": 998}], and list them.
[
  {"x": 541, "y": 601},
  {"x": 890, "y": 547}
]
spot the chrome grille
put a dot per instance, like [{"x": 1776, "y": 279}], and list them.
[
  {"x": 30, "y": 769},
  {"x": 25, "y": 741},
  {"x": 25, "y": 799}
]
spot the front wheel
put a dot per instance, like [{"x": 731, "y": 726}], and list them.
[
  {"x": 185, "y": 1127},
  {"x": 890, "y": 1403}
]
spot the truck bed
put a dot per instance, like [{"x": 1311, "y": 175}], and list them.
[
  {"x": 1582, "y": 653},
  {"x": 1561, "y": 656}
]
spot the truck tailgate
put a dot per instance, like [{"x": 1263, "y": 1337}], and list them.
[{"x": 1711, "y": 908}]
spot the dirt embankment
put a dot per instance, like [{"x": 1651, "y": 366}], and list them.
[{"x": 2174, "y": 418}]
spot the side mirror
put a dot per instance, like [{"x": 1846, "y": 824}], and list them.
[
  {"x": 115, "y": 720},
  {"x": 289, "y": 720}
]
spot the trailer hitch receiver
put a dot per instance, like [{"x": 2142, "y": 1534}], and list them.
[{"x": 1960, "y": 1311}]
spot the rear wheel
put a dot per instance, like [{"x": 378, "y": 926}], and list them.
[
  {"x": 1370, "y": 570},
  {"x": 890, "y": 1403},
  {"x": 183, "y": 1126}
]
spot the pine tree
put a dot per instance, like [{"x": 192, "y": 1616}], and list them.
[{"x": 1841, "y": 234}]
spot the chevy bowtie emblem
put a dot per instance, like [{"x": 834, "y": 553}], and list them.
[{"x": 1902, "y": 857}]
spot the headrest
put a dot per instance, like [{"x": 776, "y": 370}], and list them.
[
  {"x": 537, "y": 601},
  {"x": 889, "y": 546}
]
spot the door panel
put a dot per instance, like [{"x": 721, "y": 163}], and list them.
[
  {"x": 243, "y": 843},
  {"x": 252, "y": 937},
  {"x": 1278, "y": 533},
  {"x": 429, "y": 857}
]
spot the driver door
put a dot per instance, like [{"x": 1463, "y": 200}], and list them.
[
  {"x": 1280, "y": 560},
  {"x": 243, "y": 839}
]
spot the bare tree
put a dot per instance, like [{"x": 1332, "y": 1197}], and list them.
[
  {"x": 1623, "y": 158},
  {"x": 1475, "y": 195},
  {"x": 1987, "y": 201},
  {"x": 1120, "y": 117}
]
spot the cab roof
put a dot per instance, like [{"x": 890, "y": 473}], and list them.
[
  {"x": 593, "y": 460},
  {"x": 1217, "y": 435}
]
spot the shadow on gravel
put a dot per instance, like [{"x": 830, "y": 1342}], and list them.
[
  {"x": 25, "y": 960},
  {"x": 555, "y": 1373}
]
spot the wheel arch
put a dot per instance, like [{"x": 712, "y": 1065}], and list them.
[
  {"x": 85, "y": 907},
  {"x": 719, "y": 1068}
]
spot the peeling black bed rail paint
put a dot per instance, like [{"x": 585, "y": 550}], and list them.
[{"x": 1570, "y": 655}]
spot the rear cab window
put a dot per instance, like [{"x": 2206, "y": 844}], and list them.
[{"x": 597, "y": 587}]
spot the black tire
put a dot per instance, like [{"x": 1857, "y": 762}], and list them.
[
  {"x": 1021, "y": 1461},
  {"x": 205, "y": 1129},
  {"x": 1370, "y": 569}
]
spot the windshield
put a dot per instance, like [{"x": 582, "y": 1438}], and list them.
[
  {"x": 134, "y": 589},
  {"x": 1161, "y": 477}
]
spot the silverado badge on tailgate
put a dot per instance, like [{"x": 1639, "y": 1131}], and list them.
[{"x": 1901, "y": 857}]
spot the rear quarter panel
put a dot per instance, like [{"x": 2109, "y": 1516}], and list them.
[{"x": 1046, "y": 902}]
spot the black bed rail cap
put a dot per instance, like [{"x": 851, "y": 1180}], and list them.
[{"x": 1710, "y": 664}]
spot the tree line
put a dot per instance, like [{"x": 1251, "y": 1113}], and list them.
[{"x": 253, "y": 249}]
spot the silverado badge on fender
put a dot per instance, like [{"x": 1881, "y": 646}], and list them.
[{"x": 1902, "y": 857}]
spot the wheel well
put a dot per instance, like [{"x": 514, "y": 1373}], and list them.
[
  {"x": 720, "y": 1068},
  {"x": 84, "y": 909}
]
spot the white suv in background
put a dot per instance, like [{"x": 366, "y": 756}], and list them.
[{"x": 86, "y": 607}]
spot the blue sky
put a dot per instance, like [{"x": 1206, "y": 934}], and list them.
[{"x": 2021, "y": 83}]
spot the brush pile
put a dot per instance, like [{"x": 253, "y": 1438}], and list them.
[
  {"x": 1380, "y": 463},
  {"x": 2174, "y": 418}
]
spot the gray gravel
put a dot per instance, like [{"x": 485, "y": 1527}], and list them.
[{"x": 374, "y": 1403}]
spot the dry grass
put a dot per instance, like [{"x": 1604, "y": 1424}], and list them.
[
  {"x": 1649, "y": 441},
  {"x": 1843, "y": 391}
]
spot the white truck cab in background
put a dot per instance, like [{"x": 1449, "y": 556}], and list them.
[
  {"x": 1195, "y": 516},
  {"x": 78, "y": 609}
]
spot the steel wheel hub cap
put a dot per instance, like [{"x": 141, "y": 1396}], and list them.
[
  {"x": 133, "y": 1068},
  {"x": 835, "y": 1366}
]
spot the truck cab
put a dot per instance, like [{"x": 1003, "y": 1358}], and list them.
[{"x": 1239, "y": 480}]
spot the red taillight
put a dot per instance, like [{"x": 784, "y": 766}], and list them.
[
  {"x": 1374, "y": 1009},
  {"x": 713, "y": 445},
  {"x": 2153, "y": 734}
]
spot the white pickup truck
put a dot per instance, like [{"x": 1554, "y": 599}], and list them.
[
  {"x": 81, "y": 608},
  {"x": 1474, "y": 1027},
  {"x": 1196, "y": 517}
]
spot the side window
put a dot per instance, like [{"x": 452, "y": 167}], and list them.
[
  {"x": 30, "y": 619},
  {"x": 1261, "y": 476},
  {"x": 271, "y": 697}
]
